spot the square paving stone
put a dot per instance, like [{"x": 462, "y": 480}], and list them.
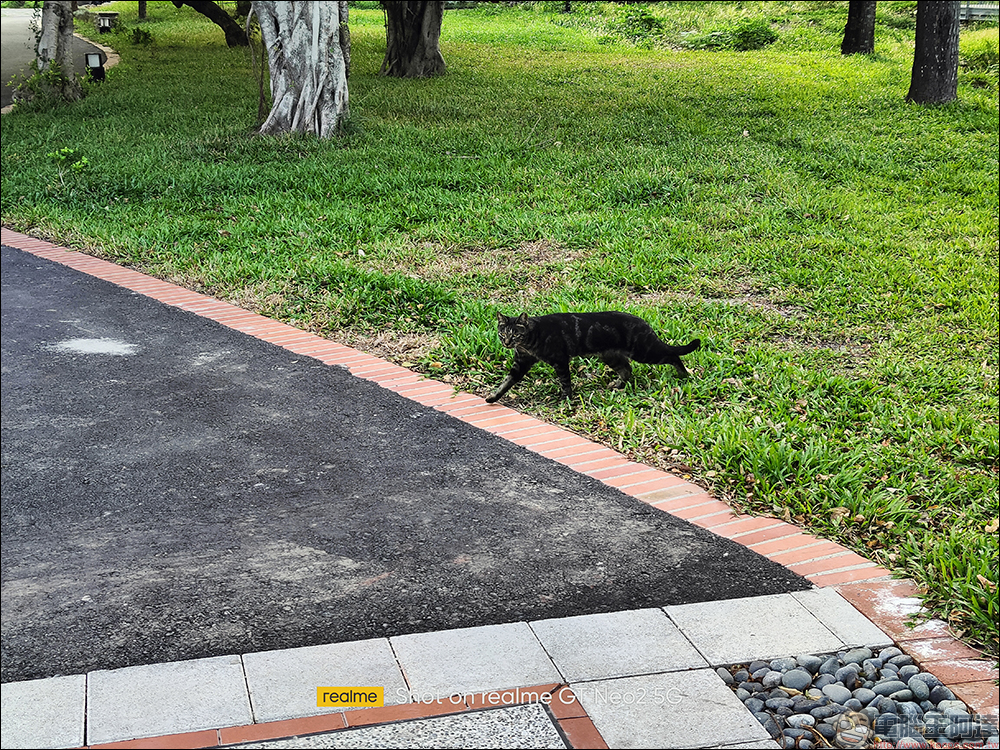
[
  {"x": 44, "y": 713},
  {"x": 759, "y": 627},
  {"x": 841, "y": 618},
  {"x": 674, "y": 709},
  {"x": 616, "y": 644},
  {"x": 180, "y": 696},
  {"x": 472, "y": 660},
  {"x": 283, "y": 683}
]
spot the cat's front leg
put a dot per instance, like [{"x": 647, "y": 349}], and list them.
[{"x": 522, "y": 363}]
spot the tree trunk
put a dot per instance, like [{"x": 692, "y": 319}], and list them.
[
  {"x": 142, "y": 10},
  {"x": 412, "y": 39},
  {"x": 308, "y": 49},
  {"x": 235, "y": 35},
  {"x": 859, "y": 34},
  {"x": 54, "y": 53},
  {"x": 935, "y": 58}
]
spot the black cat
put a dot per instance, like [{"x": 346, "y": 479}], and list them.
[{"x": 615, "y": 337}]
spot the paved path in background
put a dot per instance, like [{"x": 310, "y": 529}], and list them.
[
  {"x": 17, "y": 50},
  {"x": 175, "y": 489}
]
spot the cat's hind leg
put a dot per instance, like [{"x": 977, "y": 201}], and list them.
[{"x": 620, "y": 364}]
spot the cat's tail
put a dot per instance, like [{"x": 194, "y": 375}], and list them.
[
  {"x": 688, "y": 348},
  {"x": 658, "y": 353}
]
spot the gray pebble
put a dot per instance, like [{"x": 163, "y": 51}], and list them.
[
  {"x": 742, "y": 694},
  {"x": 888, "y": 687},
  {"x": 885, "y": 705},
  {"x": 919, "y": 688},
  {"x": 806, "y": 745},
  {"x": 951, "y": 704},
  {"x": 888, "y": 653},
  {"x": 775, "y": 703},
  {"x": 754, "y": 705},
  {"x": 772, "y": 679},
  {"x": 825, "y": 712},
  {"x": 784, "y": 711},
  {"x": 768, "y": 723},
  {"x": 941, "y": 693},
  {"x": 902, "y": 660},
  {"x": 910, "y": 713},
  {"x": 865, "y": 695},
  {"x": 805, "y": 706},
  {"x": 847, "y": 675},
  {"x": 800, "y": 720},
  {"x": 796, "y": 733},
  {"x": 823, "y": 680},
  {"x": 885, "y": 722},
  {"x": 902, "y": 695},
  {"x": 830, "y": 666},
  {"x": 854, "y": 704},
  {"x": 907, "y": 671},
  {"x": 725, "y": 675},
  {"x": 755, "y": 665},
  {"x": 966, "y": 730},
  {"x": 797, "y": 679},
  {"x": 741, "y": 676},
  {"x": 930, "y": 679},
  {"x": 782, "y": 665},
  {"x": 857, "y": 655},
  {"x": 827, "y": 731},
  {"x": 753, "y": 687},
  {"x": 870, "y": 711},
  {"x": 788, "y": 743},
  {"x": 758, "y": 674},
  {"x": 837, "y": 693},
  {"x": 808, "y": 662}
]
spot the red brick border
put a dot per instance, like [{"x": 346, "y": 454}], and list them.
[
  {"x": 565, "y": 711},
  {"x": 824, "y": 563}
]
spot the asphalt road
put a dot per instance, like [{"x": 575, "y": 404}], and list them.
[
  {"x": 17, "y": 50},
  {"x": 174, "y": 489}
]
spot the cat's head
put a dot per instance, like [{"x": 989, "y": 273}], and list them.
[{"x": 512, "y": 330}]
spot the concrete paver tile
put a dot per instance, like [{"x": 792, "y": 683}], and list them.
[
  {"x": 180, "y": 696},
  {"x": 616, "y": 644},
  {"x": 841, "y": 618},
  {"x": 472, "y": 660},
  {"x": 760, "y": 627},
  {"x": 675, "y": 709},
  {"x": 283, "y": 683},
  {"x": 43, "y": 713}
]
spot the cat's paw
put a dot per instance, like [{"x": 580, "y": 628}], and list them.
[{"x": 492, "y": 399}]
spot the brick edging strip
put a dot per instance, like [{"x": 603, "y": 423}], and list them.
[
  {"x": 561, "y": 704},
  {"x": 870, "y": 588}
]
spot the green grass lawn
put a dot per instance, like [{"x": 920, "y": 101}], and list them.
[{"x": 835, "y": 248}]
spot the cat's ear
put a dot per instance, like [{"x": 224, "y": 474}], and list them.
[
  {"x": 501, "y": 318},
  {"x": 523, "y": 319}
]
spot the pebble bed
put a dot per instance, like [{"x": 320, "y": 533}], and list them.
[{"x": 801, "y": 701}]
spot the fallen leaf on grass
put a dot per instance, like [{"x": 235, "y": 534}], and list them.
[
  {"x": 987, "y": 583},
  {"x": 839, "y": 512}
]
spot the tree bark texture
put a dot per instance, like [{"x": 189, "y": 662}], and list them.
[
  {"x": 235, "y": 35},
  {"x": 308, "y": 54},
  {"x": 412, "y": 39},
  {"x": 859, "y": 34},
  {"x": 935, "y": 58},
  {"x": 55, "y": 45}
]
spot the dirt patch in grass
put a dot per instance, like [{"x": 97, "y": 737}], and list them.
[
  {"x": 748, "y": 298},
  {"x": 539, "y": 266},
  {"x": 403, "y": 348}
]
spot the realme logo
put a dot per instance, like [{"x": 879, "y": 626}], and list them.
[{"x": 350, "y": 697}]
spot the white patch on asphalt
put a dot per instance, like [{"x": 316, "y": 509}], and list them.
[{"x": 95, "y": 346}]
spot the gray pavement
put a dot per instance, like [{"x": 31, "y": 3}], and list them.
[
  {"x": 174, "y": 489},
  {"x": 17, "y": 49}
]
